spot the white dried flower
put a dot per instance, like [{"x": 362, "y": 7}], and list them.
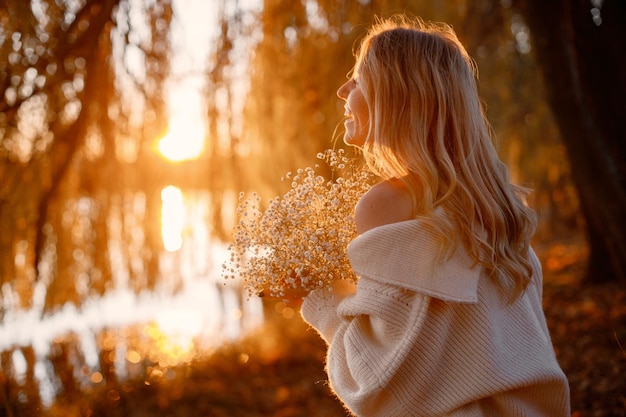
[{"x": 300, "y": 240}]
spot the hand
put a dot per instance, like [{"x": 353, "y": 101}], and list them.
[{"x": 293, "y": 297}]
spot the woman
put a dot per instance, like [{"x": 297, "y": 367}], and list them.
[{"x": 446, "y": 318}]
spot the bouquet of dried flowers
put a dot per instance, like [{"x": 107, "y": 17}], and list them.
[{"x": 300, "y": 240}]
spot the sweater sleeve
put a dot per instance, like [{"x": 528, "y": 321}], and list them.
[{"x": 370, "y": 333}]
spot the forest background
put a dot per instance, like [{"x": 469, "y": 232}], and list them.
[{"x": 84, "y": 107}]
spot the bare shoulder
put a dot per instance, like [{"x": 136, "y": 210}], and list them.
[{"x": 386, "y": 202}]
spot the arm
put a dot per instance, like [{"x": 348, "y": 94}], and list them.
[{"x": 370, "y": 334}]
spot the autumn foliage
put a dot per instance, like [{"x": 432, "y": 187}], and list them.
[{"x": 82, "y": 86}]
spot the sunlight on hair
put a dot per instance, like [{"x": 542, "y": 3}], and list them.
[{"x": 172, "y": 218}]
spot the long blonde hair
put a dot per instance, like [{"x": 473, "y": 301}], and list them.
[{"x": 428, "y": 129}]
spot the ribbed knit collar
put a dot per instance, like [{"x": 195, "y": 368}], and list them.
[{"x": 405, "y": 254}]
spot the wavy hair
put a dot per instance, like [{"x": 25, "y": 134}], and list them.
[{"x": 428, "y": 129}]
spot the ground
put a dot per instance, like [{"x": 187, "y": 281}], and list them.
[
  {"x": 278, "y": 371},
  {"x": 588, "y": 328}
]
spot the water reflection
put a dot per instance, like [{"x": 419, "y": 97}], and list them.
[
  {"x": 172, "y": 218},
  {"x": 125, "y": 333}
]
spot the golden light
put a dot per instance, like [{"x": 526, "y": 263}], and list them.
[
  {"x": 187, "y": 130},
  {"x": 97, "y": 377},
  {"x": 172, "y": 218},
  {"x": 133, "y": 356},
  {"x": 173, "y": 336},
  {"x": 185, "y": 139}
]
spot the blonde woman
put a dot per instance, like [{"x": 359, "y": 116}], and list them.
[{"x": 446, "y": 318}]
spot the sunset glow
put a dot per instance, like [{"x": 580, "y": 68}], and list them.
[
  {"x": 173, "y": 336},
  {"x": 185, "y": 140}
]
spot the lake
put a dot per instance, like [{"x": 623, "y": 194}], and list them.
[{"x": 191, "y": 311}]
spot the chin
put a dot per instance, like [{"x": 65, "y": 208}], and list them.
[{"x": 349, "y": 140}]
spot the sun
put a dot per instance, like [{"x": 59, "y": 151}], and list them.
[
  {"x": 186, "y": 134},
  {"x": 184, "y": 140}
]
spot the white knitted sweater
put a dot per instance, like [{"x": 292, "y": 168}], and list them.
[{"x": 419, "y": 338}]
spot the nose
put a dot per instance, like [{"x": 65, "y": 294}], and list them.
[{"x": 343, "y": 91}]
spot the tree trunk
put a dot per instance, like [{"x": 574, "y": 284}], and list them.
[{"x": 579, "y": 51}]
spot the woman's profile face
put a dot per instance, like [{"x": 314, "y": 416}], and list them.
[{"x": 356, "y": 113}]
